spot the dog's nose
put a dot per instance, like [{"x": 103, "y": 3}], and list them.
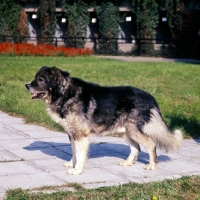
[{"x": 27, "y": 86}]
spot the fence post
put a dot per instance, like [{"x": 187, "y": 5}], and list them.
[
  {"x": 95, "y": 45},
  {"x": 56, "y": 43},
  {"x": 116, "y": 45},
  {"x": 75, "y": 41},
  {"x": 139, "y": 47}
]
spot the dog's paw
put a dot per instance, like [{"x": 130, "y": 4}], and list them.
[
  {"x": 150, "y": 167},
  {"x": 74, "y": 171},
  {"x": 125, "y": 163},
  {"x": 69, "y": 164}
]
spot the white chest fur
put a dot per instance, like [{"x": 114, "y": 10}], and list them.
[{"x": 71, "y": 123}]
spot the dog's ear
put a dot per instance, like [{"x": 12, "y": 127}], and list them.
[
  {"x": 57, "y": 73},
  {"x": 60, "y": 78},
  {"x": 42, "y": 69}
]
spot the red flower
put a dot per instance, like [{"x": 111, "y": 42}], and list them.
[{"x": 41, "y": 50}]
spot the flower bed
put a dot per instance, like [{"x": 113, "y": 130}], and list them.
[{"x": 41, "y": 50}]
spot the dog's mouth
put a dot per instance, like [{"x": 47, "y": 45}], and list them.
[{"x": 37, "y": 95}]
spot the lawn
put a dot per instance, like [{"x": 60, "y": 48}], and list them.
[
  {"x": 176, "y": 86},
  {"x": 185, "y": 188}
]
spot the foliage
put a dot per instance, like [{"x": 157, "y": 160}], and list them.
[
  {"x": 108, "y": 16},
  {"x": 22, "y": 27},
  {"x": 175, "y": 10},
  {"x": 9, "y": 17},
  {"x": 147, "y": 15},
  {"x": 183, "y": 25},
  {"x": 47, "y": 20},
  {"x": 78, "y": 20},
  {"x": 41, "y": 50}
]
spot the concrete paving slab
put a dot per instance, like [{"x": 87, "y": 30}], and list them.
[
  {"x": 96, "y": 151},
  {"x": 7, "y": 128},
  {"x": 32, "y": 156},
  {"x": 65, "y": 148},
  {"x": 91, "y": 175},
  {"x": 29, "y": 181},
  {"x": 28, "y": 143},
  {"x": 7, "y": 135},
  {"x": 28, "y": 127},
  {"x": 3, "y": 127},
  {"x": 42, "y": 133},
  {"x": 191, "y": 145},
  {"x": 10, "y": 120},
  {"x": 56, "y": 141},
  {"x": 190, "y": 153},
  {"x": 2, "y": 193},
  {"x": 153, "y": 179},
  {"x": 192, "y": 173},
  {"x": 168, "y": 155},
  {"x": 50, "y": 165},
  {"x": 109, "y": 163},
  {"x": 8, "y": 156},
  {"x": 105, "y": 139},
  {"x": 191, "y": 141},
  {"x": 20, "y": 167},
  {"x": 2, "y": 190},
  {"x": 1, "y": 148},
  {"x": 195, "y": 160},
  {"x": 135, "y": 171},
  {"x": 41, "y": 153},
  {"x": 180, "y": 166},
  {"x": 7, "y": 119},
  {"x": 189, "y": 149},
  {"x": 104, "y": 184}
]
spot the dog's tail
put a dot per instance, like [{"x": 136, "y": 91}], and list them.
[{"x": 158, "y": 130}]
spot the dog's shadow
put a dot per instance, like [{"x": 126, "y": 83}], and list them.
[{"x": 64, "y": 152}]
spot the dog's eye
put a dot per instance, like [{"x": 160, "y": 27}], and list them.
[{"x": 40, "y": 79}]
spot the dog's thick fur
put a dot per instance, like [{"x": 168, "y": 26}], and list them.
[{"x": 82, "y": 108}]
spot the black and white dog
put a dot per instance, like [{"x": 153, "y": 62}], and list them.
[{"x": 82, "y": 108}]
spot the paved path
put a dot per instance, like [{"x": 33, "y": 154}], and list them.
[
  {"x": 150, "y": 59},
  {"x": 32, "y": 156}
]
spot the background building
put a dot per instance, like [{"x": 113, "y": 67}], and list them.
[{"x": 127, "y": 24}]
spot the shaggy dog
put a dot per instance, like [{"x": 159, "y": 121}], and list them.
[{"x": 82, "y": 108}]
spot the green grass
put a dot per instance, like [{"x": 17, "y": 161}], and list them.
[
  {"x": 185, "y": 188},
  {"x": 176, "y": 86}
]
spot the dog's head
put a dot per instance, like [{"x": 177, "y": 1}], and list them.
[{"x": 48, "y": 81}]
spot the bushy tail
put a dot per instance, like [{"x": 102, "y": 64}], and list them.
[{"x": 158, "y": 130}]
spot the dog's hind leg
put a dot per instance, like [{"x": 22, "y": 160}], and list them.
[
  {"x": 134, "y": 147},
  {"x": 81, "y": 149},
  {"x": 150, "y": 145}
]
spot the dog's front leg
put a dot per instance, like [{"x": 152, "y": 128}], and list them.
[
  {"x": 81, "y": 149},
  {"x": 72, "y": 162}
]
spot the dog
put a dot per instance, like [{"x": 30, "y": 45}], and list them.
[{"x": 82, "y": 108}]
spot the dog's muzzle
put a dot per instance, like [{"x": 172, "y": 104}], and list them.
[
  {"x": 35, "y": 95},
  {"x": 28, "y": 85}
]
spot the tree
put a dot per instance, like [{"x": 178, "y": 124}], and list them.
[{"x": 108, "y": 16}]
